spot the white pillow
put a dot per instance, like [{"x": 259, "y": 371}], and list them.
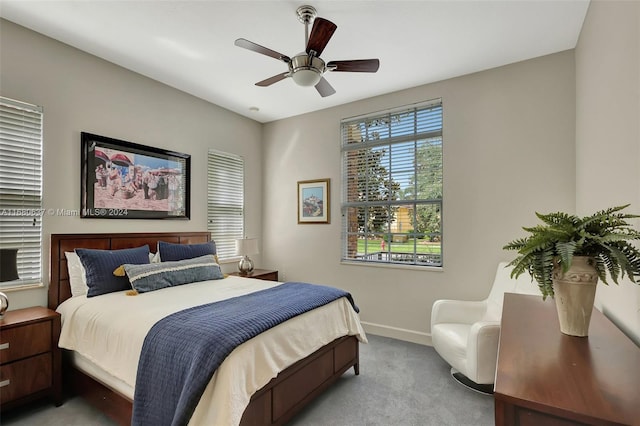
[{"x": 77, "y": 274}]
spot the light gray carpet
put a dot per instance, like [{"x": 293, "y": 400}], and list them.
[{"x": 400, "y": 383}]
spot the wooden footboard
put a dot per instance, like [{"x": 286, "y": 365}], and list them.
[
  {"x": 274, "y": 404},
  {"x": 299, "y": 384}
]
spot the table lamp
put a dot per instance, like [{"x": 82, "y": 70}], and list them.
[{"x": 245, "y": 247}]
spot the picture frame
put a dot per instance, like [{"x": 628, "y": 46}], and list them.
[
  {"x": 314, "y": 201},
  {"x": 126, "y": 180}
]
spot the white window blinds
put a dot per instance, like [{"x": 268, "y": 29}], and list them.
[
  {"x": 21, "y": 188},
  {"x": 392, "y": 186},
  {"x": 225, "y": 205}
]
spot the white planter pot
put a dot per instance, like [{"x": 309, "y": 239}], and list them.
[{"x": 575, "y": 292}]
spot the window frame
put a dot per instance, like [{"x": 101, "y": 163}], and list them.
[{"x": 377, "y": 219}]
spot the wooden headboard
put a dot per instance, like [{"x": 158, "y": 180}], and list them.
[{"x": 59, "y": 289}]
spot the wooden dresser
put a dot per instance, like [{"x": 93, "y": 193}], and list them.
[
  {"x": 30, "y": 363},
  {"x": 544, "y": 377}
]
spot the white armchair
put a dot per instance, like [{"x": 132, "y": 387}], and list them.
[{"x": 465, "y": 333}]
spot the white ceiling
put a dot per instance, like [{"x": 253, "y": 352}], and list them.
[{"x": 189, "y": 44}]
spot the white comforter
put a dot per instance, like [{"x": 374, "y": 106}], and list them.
[{"x": 109, "y": 331}]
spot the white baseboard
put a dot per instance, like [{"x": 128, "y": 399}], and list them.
[{"x": 397, "y": 333}]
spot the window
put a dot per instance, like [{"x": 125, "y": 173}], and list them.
[
  {"x": 21, "y": 189},
  {"x": 392, "y": 186},
  {"x": 225, "y": 201}
]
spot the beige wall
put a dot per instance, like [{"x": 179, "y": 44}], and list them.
[
  {"x": 608, "y": 131},
  {"x": 508, "y": 151},
  {"x": 80, "y": 92}
]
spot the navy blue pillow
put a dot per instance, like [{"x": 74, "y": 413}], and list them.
[
  {"x": 100, "y": 264},
  {"x": 170, "y": 252}
]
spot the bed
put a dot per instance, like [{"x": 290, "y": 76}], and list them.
[{"x": 289, "y": 388}]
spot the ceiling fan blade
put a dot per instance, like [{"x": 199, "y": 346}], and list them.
[
  {"x": 269, "y": 81},
  {"x": 355, "y": 65},
  {"x": 320, "y": 35},
  {"x": 324, "y": 88},
  {"x": 246, "y": 44}
]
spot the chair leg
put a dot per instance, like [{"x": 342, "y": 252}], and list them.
[{"x": 470, "y": 384}]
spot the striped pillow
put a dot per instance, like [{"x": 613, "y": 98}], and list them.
[{"x": 155, "y": 276}]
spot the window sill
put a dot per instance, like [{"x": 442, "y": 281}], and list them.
[
  {"x": 11, "y": 289},
  {"x": 393, "y": 266}
]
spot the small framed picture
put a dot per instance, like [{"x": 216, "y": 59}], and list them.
[{"x": 313, "y": 201}]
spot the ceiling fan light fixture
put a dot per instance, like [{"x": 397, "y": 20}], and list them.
[
  {"x": 306, "y": 70},
  {"x": 306, "y": 77}
]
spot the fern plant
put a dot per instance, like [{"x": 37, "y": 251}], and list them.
[{"x": 604, "y": 236}]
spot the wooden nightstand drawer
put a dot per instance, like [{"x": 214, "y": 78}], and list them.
[
  {"x": 25, "y": 377},
  {"x": 21, "y": 342}
]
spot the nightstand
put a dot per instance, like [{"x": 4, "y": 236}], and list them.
[
  {"x": 261, "y": 274},
  {"x": 30, "y": 359}
]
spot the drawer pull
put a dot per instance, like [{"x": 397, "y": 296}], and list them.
[
  {"x": 5, "y": 383},
  {"x": 4, "y": 346}
]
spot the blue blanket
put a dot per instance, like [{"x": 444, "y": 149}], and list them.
[{"x": 182, "y": 351}]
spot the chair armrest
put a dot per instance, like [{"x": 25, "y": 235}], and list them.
[
  {"x": 482, "y": 350},
  {"x": 457, "y": 311}
]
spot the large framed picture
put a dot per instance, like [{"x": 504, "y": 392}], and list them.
[
  {"x": 125, "y": 180},
  {"x": 313, "y": 201}
]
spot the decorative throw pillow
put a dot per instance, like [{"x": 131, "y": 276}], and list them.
[
  {"x": 99, "y": 266},
  {"x": 77, "y": 274},
  {"x": 156, "y": 276},
  {"x": 155, "y": 258},
  {"x": 170, "y": 252}
]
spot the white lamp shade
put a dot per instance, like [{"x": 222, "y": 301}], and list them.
[
  {"x": 306, "y": 77},
  {"x": 9, "y": 264},
  {"x": 246, "y": 246}
]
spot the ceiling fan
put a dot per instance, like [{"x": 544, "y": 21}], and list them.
[{"x": 306, "y": 68}]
